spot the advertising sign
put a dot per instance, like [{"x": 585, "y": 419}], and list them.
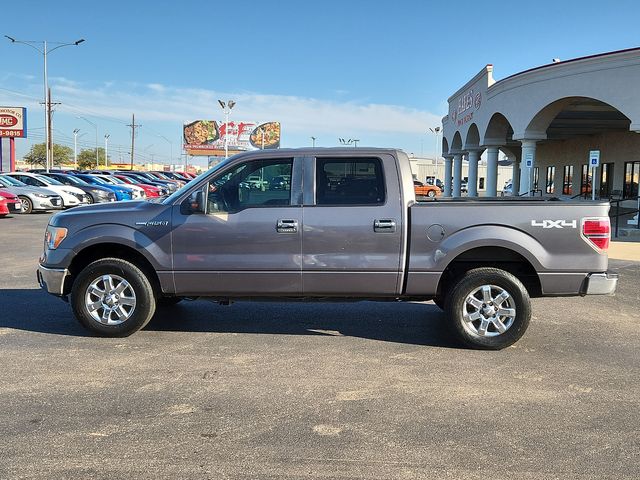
[
  {"x": 208, "y": 137},
  {"x": 13, "y": 122}
]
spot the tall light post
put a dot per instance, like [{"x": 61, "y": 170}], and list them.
[
  {"x": 351, "y": 141},
  {"x": 44, "y": 51},
  {"x": 436, "y": 132},
  {"x": 75, "y": 147},
  {"x": 313, "y": 141},
  {"x": 96, "y": 127},
  {"x": 106, "y": 144},
  {"x": 226, "y": 108},
  {"x": 170, "y": 146}
]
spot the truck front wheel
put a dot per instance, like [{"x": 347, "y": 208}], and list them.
[
  {"x": 488, "y": 309},
  {"x": 112, "y": 298}
]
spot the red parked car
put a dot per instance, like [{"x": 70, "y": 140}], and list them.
[
  {"x": 149, "y": 190},
  {"x": 9, "y": 203}
]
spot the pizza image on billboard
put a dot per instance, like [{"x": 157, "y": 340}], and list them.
[
  {"x": 266, "y": 135},
  {"x": 200, "y": 132}
]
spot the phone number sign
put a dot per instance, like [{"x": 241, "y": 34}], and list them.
[{"x": 13, "y": 122}]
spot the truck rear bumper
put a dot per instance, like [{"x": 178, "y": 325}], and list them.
[
  {"x": 52, "y": 279},
  {"x": 600, "y": 283}
]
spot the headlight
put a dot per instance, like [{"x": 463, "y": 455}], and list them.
[
  {"x": 54, "y": 236},
  {"x": 41, "y": 195},
  {"x": 2, "y": 198},
  {"x": 68, "y": 192}
]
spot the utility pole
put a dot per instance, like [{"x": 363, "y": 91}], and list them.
[
  {"x": 49, "y": 145},
  {"x": 133, "y": 136}
]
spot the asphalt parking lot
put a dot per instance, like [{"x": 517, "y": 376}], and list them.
[{"x": 271, "y": 390}]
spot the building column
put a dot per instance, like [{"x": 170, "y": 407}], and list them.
[
  {"x": 447, "y": 174},
  {"x": 526, "y": 173},
  {"x": 515, "y": 176},
  {"x": 457, "y": 174},
  {"x": 492, "y": 171},
  {"x": 472, "y": 185}
]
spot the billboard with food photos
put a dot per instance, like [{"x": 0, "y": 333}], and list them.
[
  {"x": 208, "y": 137},
  {"x": 13, "y": 122}
]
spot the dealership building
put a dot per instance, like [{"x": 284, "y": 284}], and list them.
[{"x": 548, "y": 121}]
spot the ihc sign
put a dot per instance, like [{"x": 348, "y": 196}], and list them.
[{"x": 554, "y": 224}]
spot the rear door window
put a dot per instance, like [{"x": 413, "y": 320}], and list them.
[{"x": 345, "y": 181}]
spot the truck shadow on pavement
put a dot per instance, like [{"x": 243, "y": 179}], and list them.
[{"x": 410, "y": 323}]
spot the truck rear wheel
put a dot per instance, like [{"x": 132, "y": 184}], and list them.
[
  {"x": 112, "y": 298},
  {"x": 488, "y": 309}
]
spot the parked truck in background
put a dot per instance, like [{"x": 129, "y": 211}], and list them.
[{"x": 346, "y": 227}]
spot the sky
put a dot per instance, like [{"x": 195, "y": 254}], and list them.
[{"x": 379, "y": 72}]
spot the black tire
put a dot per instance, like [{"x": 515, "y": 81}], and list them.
[
  {"x": 90, "y": 199},
  {"x": 140, "y": 314},
  {"x": 168, "y": 301},
  {"x": 431, "y": 193},
  {"x": 27, "y": 204},
  {"x": 470, "y": 333}
]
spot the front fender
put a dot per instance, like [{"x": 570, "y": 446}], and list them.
[{"x": 154, "y": 245}]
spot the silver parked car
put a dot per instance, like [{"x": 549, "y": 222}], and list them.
[{"x": 32, "y": 198}]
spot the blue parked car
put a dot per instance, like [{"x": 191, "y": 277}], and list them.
[{"x": 122, "y": 192}]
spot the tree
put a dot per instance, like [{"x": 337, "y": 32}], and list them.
[
  {"x": 87, "y": 158},
  {"x": 38, "y": 155}
]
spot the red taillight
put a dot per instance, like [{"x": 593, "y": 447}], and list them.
[{"x": 597, "y": 231}]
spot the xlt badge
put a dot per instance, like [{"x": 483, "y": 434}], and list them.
[{"x": 154, "y": 223}]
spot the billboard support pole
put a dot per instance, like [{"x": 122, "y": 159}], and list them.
[{"x": 12, "y": 154}]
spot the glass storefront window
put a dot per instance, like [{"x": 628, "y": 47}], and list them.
[
  {"x": 631, "y": 179},
  {"x": 567, "y": 180}
]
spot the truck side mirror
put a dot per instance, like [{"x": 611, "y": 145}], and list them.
[{"x": 194, "y": 203}]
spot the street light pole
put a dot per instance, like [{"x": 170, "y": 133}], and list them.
[
  {"x": 47, "y": 105},
  {"x": 313, "y": 141},
  {"x": 226, "y": 108},
  {"x": 436, "y": 131},
  {"x": 75, "y": 148},
  {"x": 96, "y": 127},
  {"x": 106, "y": 142},
  {"x": 170, "y": 146}
]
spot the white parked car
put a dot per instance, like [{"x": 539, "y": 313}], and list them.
[
  {"x": 507, "y": 190},
  {"x": 71, "y": 196}
]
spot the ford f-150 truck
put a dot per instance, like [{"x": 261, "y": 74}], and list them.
[{"x": 345, "y": 226}]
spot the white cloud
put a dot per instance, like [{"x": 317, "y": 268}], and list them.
[{"x": 156, "y": 102}]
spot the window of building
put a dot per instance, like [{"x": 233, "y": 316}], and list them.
[
  {"x": 585, "y": 180},
  {"x": 344, "y": 181},
  {"x": 264, "y": 183},
  {"x": 551, "y": 172},
  {"x": 606, "y": 180},
  {"x": 567, "y": 180},
  {"x": 481, "y": 183},
  {"x": 536, "y": 178},
  {"x": 631, "y": 179}
]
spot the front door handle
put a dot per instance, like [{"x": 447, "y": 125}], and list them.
[
  {"x": 287, "y": 226},
  {"x": 385, "y": 225}
]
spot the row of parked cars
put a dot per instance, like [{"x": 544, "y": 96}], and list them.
[{"x": 39, "y": 190}]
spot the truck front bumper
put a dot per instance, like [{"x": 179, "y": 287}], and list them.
[
  {"x": 600, "y": 283},
  {"x": 52, "y": 279}
]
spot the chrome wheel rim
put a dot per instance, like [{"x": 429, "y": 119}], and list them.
[
  {"x": 110, "y": 300},
  {"x": 488, "y": 311}
]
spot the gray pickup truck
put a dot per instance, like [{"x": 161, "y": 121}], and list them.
[{"x": 326, "y": 224}]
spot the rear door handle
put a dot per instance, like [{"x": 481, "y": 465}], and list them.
[
  {"x": 287, "y": 226},
  {"x": 385, "y": 225}
]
